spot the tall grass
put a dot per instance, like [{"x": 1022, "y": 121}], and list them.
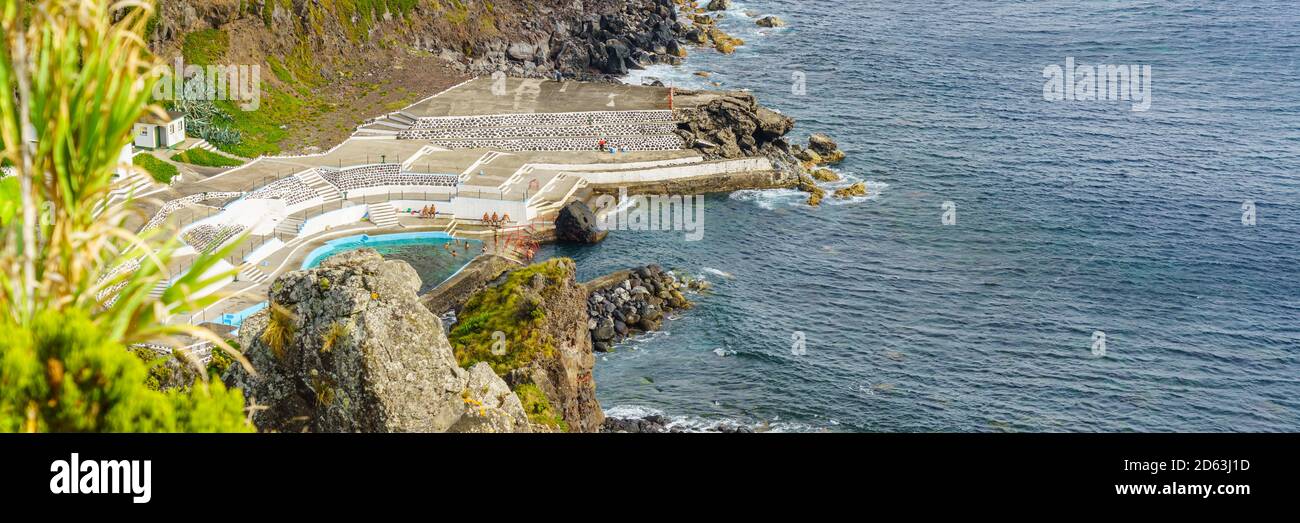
[{"x": 75, "y": 75}]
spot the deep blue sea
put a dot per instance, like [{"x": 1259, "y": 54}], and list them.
[{"x": 1072, "y": 217}]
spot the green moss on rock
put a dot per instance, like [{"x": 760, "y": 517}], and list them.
[
  {"x": 538, "y": 408},
  {"x": 512, "y": 308}
]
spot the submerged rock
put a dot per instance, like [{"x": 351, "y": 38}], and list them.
[
  {"x": 347, "y": 347},
  {"x": 857, "y": 189},
  {"x": 826, "y": 148},
  {"x": 825, "y": 175}
]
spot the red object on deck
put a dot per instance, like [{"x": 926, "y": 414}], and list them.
[{"x": 670, "y": 97}]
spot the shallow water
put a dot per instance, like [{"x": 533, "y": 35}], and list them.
[
  {"x": 1071, "y": 218},
  {"x": 429, "y": 256}
]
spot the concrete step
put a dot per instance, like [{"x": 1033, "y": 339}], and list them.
[
  {"x": 387, "y": 125},
  {"x": 250, "y": 272},
  {"x": 402, "y": 118},
  {"x": 288, "y": 227},
  {"x": 383, "y": 215},
  {"x": 322, "y": 187}
]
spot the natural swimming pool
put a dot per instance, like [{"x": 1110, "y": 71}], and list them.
[{"x": 435, "y": 256}]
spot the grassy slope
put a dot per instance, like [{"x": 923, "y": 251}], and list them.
[
  {"x": 161, "y": 171},
  {"x": 205, "y": 158}
]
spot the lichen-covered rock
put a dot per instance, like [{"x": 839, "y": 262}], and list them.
[
  {"x": 825, "y": 175},
  {"x": 347, "y": 347},
  {"x": 827, "y": 150},
  {"x": 491, "y": 406},
  {"x": 857, "y": 189}
]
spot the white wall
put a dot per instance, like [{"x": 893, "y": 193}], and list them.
[
  {"x": 681, "y": 171},
  {"x": 415, "y": 191},
  {"x": 143, "y": 135},
  {"x": 335, "y": 218},
  {"x": 473, "y": 208},
  {"x": 174, "y": 133},
  {"x": 264, "y": 251},
  {"x": 400, "y": 206}
]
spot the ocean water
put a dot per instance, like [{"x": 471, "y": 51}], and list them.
[{"x": 1072, "y": 218}]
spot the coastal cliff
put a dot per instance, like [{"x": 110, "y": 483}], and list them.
[
  {"x": 584, "y": 39},
  {"x": 347, "y": 347},
  {"x": 531, "y": 328}
]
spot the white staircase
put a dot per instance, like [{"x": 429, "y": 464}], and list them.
[
  {"x": 324, "y": 189},
  {"x": 288, "y": 227},
  {"x": 250, "y": 272},
  {"x": 136, "y": 182},
  {"x": 383, "y": 215},
  {"x": 203, "y": 144}
]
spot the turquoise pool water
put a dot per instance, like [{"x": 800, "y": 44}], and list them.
[{"x": 425, "y": 251}]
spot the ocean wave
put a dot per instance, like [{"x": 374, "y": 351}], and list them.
[
  {"x": 771, "y": 199},
  {"x": 702, "y": 424}
]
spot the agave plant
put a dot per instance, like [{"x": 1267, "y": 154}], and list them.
[{"x": 75, "y": 75}]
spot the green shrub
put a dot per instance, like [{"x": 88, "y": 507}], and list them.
[
  {"x": 78, "y": 283},
  {"x": 221, "y": 360},
  {"x": 60, "y": 373},
  {"x": 205, "y": 158},
  {"x": 161, "y": 171}
]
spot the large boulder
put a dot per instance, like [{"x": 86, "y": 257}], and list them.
[
  {"x": 576, "y": 223},
  {"x": 826, "y": 149},
  {"x": 347, "y": 347},
  {"x": 718, "y": 5},
  {"x": 521, "y": 51},
  {"x": 616, "y": 57}
]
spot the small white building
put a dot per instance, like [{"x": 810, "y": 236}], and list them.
[{"x": 153, "y": 132}]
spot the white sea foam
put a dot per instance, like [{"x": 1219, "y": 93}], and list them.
[
  {"x": 719, "y": 272},
  {"x": 771, "y": 199},
  {"x": 699, "y": 424}
]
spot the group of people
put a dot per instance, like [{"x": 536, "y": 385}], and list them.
[
  {"x": 451, "y": 247},
  {"x": 494, "y": 219},
  {"x": 605, "y": 146},
  {"x": 429, "y": 211}
]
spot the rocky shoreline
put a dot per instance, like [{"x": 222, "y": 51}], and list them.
[{"x": 634, "y": 301}]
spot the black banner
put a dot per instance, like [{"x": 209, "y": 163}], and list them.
[{"x": 310, "y": 473}]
